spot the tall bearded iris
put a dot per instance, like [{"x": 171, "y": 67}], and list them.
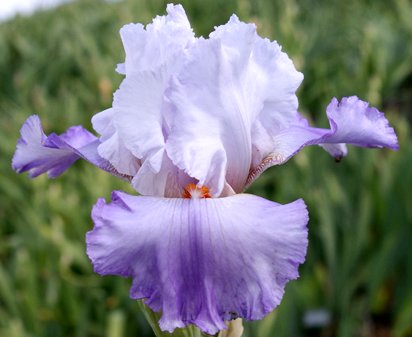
[{"x": 194, "y": 122}]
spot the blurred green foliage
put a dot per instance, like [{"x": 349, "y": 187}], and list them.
[{"x": 60, "y": 65}]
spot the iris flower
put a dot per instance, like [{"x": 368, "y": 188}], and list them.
[{"x": 194, "y": 122}]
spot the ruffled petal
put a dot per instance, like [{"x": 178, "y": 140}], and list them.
[
  {"x": 138, "y": 130},
  {"x": 354, "y": 122},
  {"x": 138, "y": 106},
  {"x": 111, "y": 146},
  {"x": 103, "y": 123},
  {"x": 228, "y": 82},
  {"x": 116, "y": 153},
  {"x": 38, "y": 153},
  {"x": 168, "y": 181},
  {"x": 351, "y": 121},
  {"x": 133, "y": 131},
  {"x": 200, "y": 261},
  {"x": 160, "y": 43}
]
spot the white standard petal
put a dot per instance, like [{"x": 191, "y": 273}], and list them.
[
  {"x": 228, "y": 82},
  {"x": 112, "y": 147},
  {"x": 116, "y": 153},
  {"x": 167, "y": 181},
  {"x": 138, "y": 119},
  {"x": 132, "y": 132},
  {"x": 200, "y": 261},
  {"x": 161, "y": 42},
  {"x": 103, "y": 123}
]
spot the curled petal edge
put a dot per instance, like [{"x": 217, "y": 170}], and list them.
[
  {"x": 200, "y": 261},
  {"x": 352, "y": 121},
  {"x": 54, "y": 154}
]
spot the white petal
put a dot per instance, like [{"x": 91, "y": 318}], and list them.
[
  {"x": 115, "y": 152},
  {"x": 167, "y": 181},
  {"x": 158, "y": 44},
  {"x": 229, "y": 82},
  {"x": 138, "y": 119},
  {"x": 103, "y": 123}
]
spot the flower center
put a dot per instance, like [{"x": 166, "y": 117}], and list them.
[{"x": 192, "y": 191}]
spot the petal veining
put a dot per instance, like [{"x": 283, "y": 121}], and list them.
[{"x": 200, "y": 261}]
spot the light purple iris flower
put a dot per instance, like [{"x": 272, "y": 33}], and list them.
[{"x": 194, "y": 122}]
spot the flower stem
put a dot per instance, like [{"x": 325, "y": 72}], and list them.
[
  {"x": 153, "y": 318},
  {"x": 235, "y": 327}
]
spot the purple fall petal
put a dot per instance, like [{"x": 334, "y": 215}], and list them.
[
  {"x": 53, "y": 154},
  {"x": 200, "y": 261},
  {"x": 351, "y": 121},
  {"x": 354, "y": 122}
]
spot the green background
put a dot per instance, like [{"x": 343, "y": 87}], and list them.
[{"x": 60, "y": 65}]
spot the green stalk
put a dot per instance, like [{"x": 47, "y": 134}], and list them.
[
  {"x": 153, "y": 318},
  {"x": 235, "y": 327}
]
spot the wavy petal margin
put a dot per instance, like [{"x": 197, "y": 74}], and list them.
[
  {"x": 159, "y": 43},
  {"x": 54, "y": 154},
  {"x": 228, "y": 82},
  {"x": 200, "y": 261},
  {"x": 352, "y": 121}
]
